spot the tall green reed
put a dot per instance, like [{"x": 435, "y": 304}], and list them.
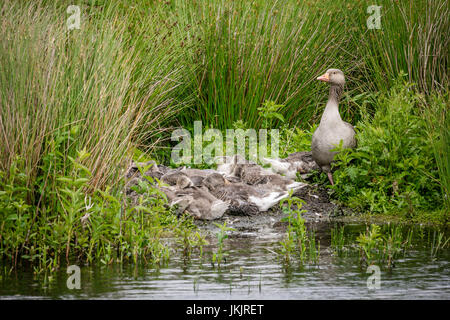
[
  {"x": 253, "y": 51},
  {"x": 64, "y": 94},
  {"x": 413, "y": 38},
  {"x": 100, "y": 78}
]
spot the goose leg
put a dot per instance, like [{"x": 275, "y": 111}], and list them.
[{"x": 330, "y": 177}]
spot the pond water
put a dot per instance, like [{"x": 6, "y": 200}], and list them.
[{"x": 253, "y": 270}]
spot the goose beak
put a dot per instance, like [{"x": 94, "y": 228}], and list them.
[{"x": 325, "y": 77}]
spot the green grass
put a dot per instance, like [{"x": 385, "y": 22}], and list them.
[
  {"x": 221, "y": 236},
  {"x": 413, "y": 39},
  {"x": 252, "y": 51},
  {"x": 255, "y": 51}
]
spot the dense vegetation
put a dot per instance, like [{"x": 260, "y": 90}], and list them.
[
  {"x": 75, "y": 104},
  {"x": 394, "y": 167}
]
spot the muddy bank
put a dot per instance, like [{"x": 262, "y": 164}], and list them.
[{"x": 318, "y": 208}]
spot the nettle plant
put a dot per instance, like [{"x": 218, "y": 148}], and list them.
[{"x": 392, "y": 169}]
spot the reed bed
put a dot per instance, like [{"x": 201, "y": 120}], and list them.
[{"x": 95, "y": 80}]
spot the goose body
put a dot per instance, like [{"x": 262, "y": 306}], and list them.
[
  {"x": 255, "y": 175},
  {"x": 240, "y": 195},
  {"x": 198, "y": 201},
  {"x": 236, "y": 194},
  {"x": 297, "y": 162},
  {"x": 332, "y": 129}
]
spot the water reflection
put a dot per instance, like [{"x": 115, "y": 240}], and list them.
[{"x": 252, "y": 270}]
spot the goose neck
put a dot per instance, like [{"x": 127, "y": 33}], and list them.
[
  {"x": 335, "y": 93},
  {"x": 331, "y": 113}
]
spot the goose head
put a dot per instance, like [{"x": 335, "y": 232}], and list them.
[
  {"x": 336, "y": 79},
  {"x": 184, "y": 182},
  {"x": 333, "y": 77}
]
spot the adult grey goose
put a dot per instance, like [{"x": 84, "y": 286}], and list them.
[{"x": 332, "y": 129}]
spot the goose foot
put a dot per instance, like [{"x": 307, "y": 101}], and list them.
[{"x": 330, "y": 177}]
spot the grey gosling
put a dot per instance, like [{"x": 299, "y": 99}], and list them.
[
  {"x": 197, "y": 201},
  {"x": 254, "y": 174},
  {"x": 241, "y": 194},
  {"x": 297, "y": 162}
]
